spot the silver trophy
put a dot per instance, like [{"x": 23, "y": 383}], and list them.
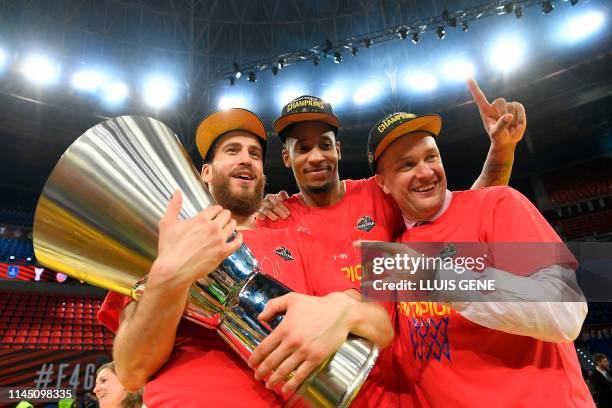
[{"x": 97, "y": 221}]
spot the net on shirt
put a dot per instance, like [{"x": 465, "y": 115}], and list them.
[{"x": 429, "y": 338}]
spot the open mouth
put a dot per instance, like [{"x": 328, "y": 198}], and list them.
[
  {"x": 424, "y": 189},
  {"x": 246, "y": 176}
]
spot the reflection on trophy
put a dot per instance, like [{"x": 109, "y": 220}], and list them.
[{"x": 97, "y": 221}]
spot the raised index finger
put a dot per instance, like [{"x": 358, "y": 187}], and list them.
[{"x": 477, "y": 94}]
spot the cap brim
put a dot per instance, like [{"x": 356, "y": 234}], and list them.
[
  {"x": 428, "y": 123},
  {"x": 218, "y": 123},
  {"x": 283, "y": 122}
]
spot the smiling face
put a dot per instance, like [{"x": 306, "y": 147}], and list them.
[
  {"x": 313, "y": 153},
  {"x": 235, "y": 173},
  {"x": 108, "y": 389},
  {"x": 411, "y": 171}
]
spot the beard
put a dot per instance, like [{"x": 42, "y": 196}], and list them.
[
  {"x": 244, "y": 202},
  {"x": 319, "y": 189}
]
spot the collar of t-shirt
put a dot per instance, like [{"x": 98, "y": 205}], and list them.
[
  {"x": 603, "y": 372},
  {"x": 447, "y": 200}
]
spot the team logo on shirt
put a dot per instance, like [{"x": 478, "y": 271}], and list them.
[
  {"x": 284, "y": 253},
  {"x": 365, "y": 223}
]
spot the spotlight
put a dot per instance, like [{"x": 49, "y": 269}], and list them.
[
  {"x": 458, "y": 69},
  {"x": 354, "y": 51},
  {"x": 252, "y": 77},
  {"x": 573, "y": 2},
  {"x": 12, "y": 257},
  {"x": 159, "y": 92},
  {"x": 335, "y": 96},
  {"x": 282, "y": 63},
  {"x": 228, "y": 102},
  {"x": 289, "y": 94},
  {"x": 337, "y": 57},
  {"x": 441, "y": 33},
  {"x": 581, "y": 26},
  {"x": 88, "y": 80},
  {"x": 452, "y": 21},
  {"x": 3, "y": 59},
  {"x": 507, "y": 54},
  {"x": 28, "y": 259},
  {"x": 415, "y": 38},
  {"x": 232, "y": 80},
  {"x": 508, "y": 8},
  {"x": 403, "y": 33},
  {"x": 547, "y": 7},
  {"x": 464, "y": 26},
  {"x": 115, "y": 93},
  {"x": 422, "y": 82},
  {"x": 367, "y": 42},
  {"x": 328, "y": 45},
  {"x": 367, "y": 93},
  {"x": 518, "y": 12},
  {"x": 316, "y": 60},
  {"x": 237, "y": 72},
  {"x": 40, "y": 69}
]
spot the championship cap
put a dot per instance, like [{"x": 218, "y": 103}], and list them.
[
  {"x": 396, "y": 125},
  {"x": 302, "y": 109},
  {"x": 219, "y": 123}
]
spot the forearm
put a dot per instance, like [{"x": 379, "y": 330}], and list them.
[
  {"x": 145, "y": 339},
  {"x": 497, "y": 167},
  {"x": 370, "y": 321},
  {"x": 547, "y": 305}
]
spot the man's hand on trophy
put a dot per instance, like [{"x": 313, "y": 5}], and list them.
[
  {"x": 312, "y": 329},
  {"x": 273, "y": 208},
  {"x": 191, "y": 249}
]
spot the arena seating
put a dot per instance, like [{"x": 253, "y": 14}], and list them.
[
  {"x": 585, "y": 225},
  {"x": 37, "y": 321},
  {"x": 579, "y": 183},
  {"x": 16, "y": 216},
  {"x": 20, "y": 249}
]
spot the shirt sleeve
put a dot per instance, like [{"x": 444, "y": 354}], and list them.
[
  {"x": 111, "y": 308},
  {"x": 520, "y": 240},
  {"x": 527, "y": 306}
]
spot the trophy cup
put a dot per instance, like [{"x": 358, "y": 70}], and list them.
[{"x": 97, "y": 221}]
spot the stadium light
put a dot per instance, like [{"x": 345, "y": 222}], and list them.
[
  {"x": 88, "y": 80},
  {"x": 159, "y": 92},
  {"x": 458, "y": 69},
  {"x": 40, "y": 69},
  {"x": 3, "y": 59},
  {"x": 581, "y": 26},
  {"x": 421, "y": 82},
  {"x": 289, "y": 94},
  {"x": 231, "y": 101},
  {"x": 334, "y": 95},
  {"x": 115, "y": 93},
  {"x": 507, "y": 54},
  {"x": 367, "y": 93}
]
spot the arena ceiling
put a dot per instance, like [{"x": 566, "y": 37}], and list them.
[{"x": 565, "y": 86}]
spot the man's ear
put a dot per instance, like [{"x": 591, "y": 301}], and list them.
[
  {"x": 380, "y": 180},
  {"x": 285, "y": 154},
  {"x": 206, "y": 173},
  {"x": 339, "y": 149}
]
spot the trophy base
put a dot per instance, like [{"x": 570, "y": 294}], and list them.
[{"x": 337, "y": 381}]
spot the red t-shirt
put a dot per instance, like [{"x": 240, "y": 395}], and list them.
[
  {"x": 203, "y": 369},
  {"x": 447, "y": 360},
  {"x": 365, "y": 212}
]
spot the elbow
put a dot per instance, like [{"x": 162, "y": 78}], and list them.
[
  {"x": 572, "y": 328},
  {"x": 132, "y": 379}
]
